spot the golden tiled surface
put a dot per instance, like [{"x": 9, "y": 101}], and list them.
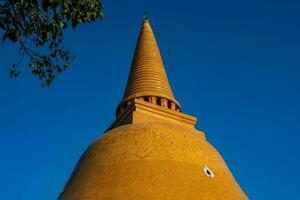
[
  {"x": 151, "y": 151},
  {"x": 151, "y": 161},
  {"x": 141, "y": 111},
  {"x": 147, "y": 75}
]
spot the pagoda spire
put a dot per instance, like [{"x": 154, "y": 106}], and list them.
[
  {"x": 147, "y": 77},
  {"x": 145, "y": 15}
]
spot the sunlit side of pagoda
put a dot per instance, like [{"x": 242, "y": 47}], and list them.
[{"x": 152, "y": 150}]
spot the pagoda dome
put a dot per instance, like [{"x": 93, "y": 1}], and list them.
[
  {"x": 152, "y": 150},
  {"x": 152, "y": 160}
]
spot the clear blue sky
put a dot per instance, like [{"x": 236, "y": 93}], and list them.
[{"x": 235, "y": 65}]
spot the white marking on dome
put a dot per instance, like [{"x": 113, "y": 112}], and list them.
[{"x": 208, "y": 172}]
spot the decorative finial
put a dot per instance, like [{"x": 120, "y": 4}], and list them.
[{"x": 146, "y": 16}]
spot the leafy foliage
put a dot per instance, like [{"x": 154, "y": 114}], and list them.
[{"x": 37, "y": 26}]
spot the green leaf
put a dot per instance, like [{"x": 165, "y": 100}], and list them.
[
  {"x": 101, "y": 15},
  {"x": 66, "y": 65},
  {"x": 63, "y": 25},
  {"x": 14, "y": 73},
  {"x": 45, "y": 83}
]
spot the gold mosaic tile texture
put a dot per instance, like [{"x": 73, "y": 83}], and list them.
[
  {"x": 147, "y": 75},
  {"x": 151, "y": 151},
  {"x": 151, "y": 161}
]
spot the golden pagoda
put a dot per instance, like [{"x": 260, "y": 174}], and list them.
[{"x": 152, "y": 150}]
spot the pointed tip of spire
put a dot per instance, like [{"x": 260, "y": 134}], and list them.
[
  {"x": 147, "y": 76},
  {"x": 146, "y": 17}
]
